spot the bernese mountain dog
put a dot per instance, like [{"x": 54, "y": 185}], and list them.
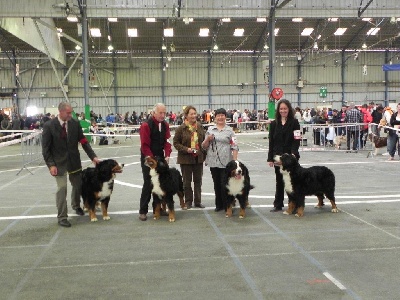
[
  {"x": 166, "y": 183},
  {"x": 237, "y": 183},
  {"x": 97, "y": 186},
  {"x": 301, "y": 182}
]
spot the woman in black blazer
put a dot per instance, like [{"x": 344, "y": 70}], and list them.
[{"x": 284, "y": 137}]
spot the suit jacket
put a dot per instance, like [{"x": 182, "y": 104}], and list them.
[
  {"x": 182, "y": 140},
  {"x": 63, "y": 152},
  {"x": 281, "y": 139}
]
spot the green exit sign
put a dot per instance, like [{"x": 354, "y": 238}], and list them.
[{"x": 323, "y": 92}]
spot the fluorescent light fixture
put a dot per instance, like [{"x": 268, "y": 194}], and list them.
[
  {"x": 340, "y": 31},
  {"x": 151, "y": 20},
  {"x": 77, "y": 47},
  {"x": 333, "y": 19},
  {"x": 215, "y": 47},
  {"x": 163, "y": 47},
  {"x": 187, "y": 20},
  {"x": 110, "y": 47},
  {"x": 109, "y": 37},
  {"x": 238, "y": 32},
  {"x": 318, "y": 37},
  {"x": 297, "y": 20},
  {"x": 366, "y": 19},
  {"x": 204, "y": 31},
  {"x": 95, "y": 32},
  {"x": 72, "y": 18},
  {"x": 315, "y": 46},
  {"x": 373, "y": 31},
  {"x": 225, "y": 20},
  {"x": 276, "y": 31},
  {"x": 112, "y": 19},
  {"x": 262, "y": 19},
  {"x": 364, "y": 46},
  {"x": 266, "y": 47},
  {"x": 169, "y": 32},
  {"x": 307, "y": 31},
  {"x": 132, "y": 32}
]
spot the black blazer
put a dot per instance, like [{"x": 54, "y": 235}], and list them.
[
  {"x": 63, "y": 152},
  {"x": 281, "y": 139}
]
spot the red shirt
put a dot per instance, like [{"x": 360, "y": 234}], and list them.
[{"x": 145, "y": 139}]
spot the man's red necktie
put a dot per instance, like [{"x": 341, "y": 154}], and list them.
[{"x": 64, "y": 131}]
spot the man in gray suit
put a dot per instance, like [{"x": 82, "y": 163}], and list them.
[{"x": 60, "y": 140}]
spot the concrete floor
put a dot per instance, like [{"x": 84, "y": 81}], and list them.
[{"x": 353, "y": 254}]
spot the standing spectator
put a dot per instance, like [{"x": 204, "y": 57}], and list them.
[
  {"x": 353, "y": 116},
  {"x": 367, "y": 118},
  {"x": 5, "y": 124},
  {"x": 220, "y": 143},
  {"x": 60, "y": 140},
  {"x": 154, "y": 141},
  {"x": 377, "y": 115},
  {"x": 187, "y": 141},
  {"x": 284, "y": 137},
  {"x": 393, "y": 135}
]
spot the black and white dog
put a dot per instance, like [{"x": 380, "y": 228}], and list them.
[
  {"x": 301, "y": 182},
  {"x": 98, "y": 185},
  {"x": 237, "y": 183},
  {"x": 166, "y": 183}
]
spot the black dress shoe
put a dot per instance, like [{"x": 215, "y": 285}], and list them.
[
  {"x": 276, "y": 209},
  {"x": 199, "y": 205},
  {"x": 64, "y": 223},
  {"x": 79, "y": 211}
]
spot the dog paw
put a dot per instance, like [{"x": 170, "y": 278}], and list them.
[
  {"x": 298, "y": 215},
  {"x": 106, "y": 218},
  {"x": 93, "y": 220},
  {"x": 171, "y": 220},
  {"x": 241, "y": 217},
  {"x": 286, "y": 212},
  {"x": 334, "y": 210},
  {"x": 318, "y": 206}
]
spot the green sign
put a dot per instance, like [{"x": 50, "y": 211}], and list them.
[{"x": 323, "y": 92}]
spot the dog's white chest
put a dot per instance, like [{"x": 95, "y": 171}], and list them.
[
  {"x": 287, "y": 181},
  {"x": 106, "y": 190},
  {"x": 155, "y": 180},
  {"x": 235, "y": 186}
]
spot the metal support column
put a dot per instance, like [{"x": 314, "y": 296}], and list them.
[
  {"x": 342, "y": 69},
  {"x": 86, "y": 66},
  {"x": 209, "y": 78},
  {"x": 386, "y": 98}
]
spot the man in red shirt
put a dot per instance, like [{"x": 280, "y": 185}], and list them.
[{"x": 154, "y": 141}]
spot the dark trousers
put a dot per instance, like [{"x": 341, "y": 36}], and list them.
[
  {"x": 218, "y": 176},
  {"x": 192, "y": 172},
  {"x": 355, "y": 134},
  {"x": 146, "y": 189},
  {"x": 280, "y": 188}
]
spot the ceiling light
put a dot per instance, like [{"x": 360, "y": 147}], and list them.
[
  {"x": 132, "y": 32},
  {"x": 112, "y": 19},
  {"x": 261, "y": 19},
  {"x": 187, "y": 20},
  {"x": 366, "y": 19},
  {"x": 318, "y": 37},
  {"x": 340, "y": 31},
  {"x": 215, "y": 47},
  {"x": 110, "y": 47},
  {"x": 109, "y": 37},
  {"x": 276, "y": 31},
  {"x": 163, "y": 47},
  {"x": 225, "y": 20},
  {"x": 152, "y": 20},
  {"x": 59, "y": 30},
  {"x": 364, "y": 46},
  {"x": 95, "y": 32},
  {"x": 77, "y": 47},
  {"x": 297, "y": 20},
  {"x": 72, "y": 18},
  {"x": 307, "y": 31},
  {"x": 333, "y": 19},
  {"x": 266, "y": 47},
  {"x": 238, "y": 32},
  {"x": 373, "y": 31},
  {"x": 168, "y": 32},
  {"x": 204, "y": 31},
  {"x": 315, "y": 46},
  {"x": 172, "y": 47}
]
